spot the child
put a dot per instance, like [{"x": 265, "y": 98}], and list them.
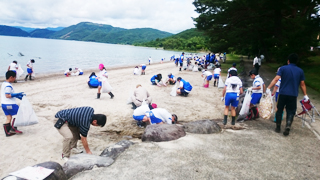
[
  {"x": 136, "y": 70},
  {"x": 29, "y": 69},
  {"x": 156, "y": 79},
  {"x": 258, "y": 87},
  {"x": 78, "y": 71},
  {"x": 102, "y": 76},
  {"x": 233, "y": 87},
  {"x": 93, "y": 81},
  {"x": 8, "y": 103},
  {"x": 67, "y": 73},
  {"x": 143, "y": 69},
  {"x": 171, "y": 79},
  {"x": 208, "y": 76},
  {"x": 216, "y": 72}
]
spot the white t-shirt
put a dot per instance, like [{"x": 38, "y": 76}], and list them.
[
  {"x": 255, "y": 60},
  {"x": 13, "y": 67},
  {"x": 216, "y": 71},
  {"x": 232, "y": 68},
  {"x": 67, "y": 71},
  {"x": 30, "y": 64},
  {"x": 103, "y": 74},
  {"x": 207, "y": 73},
  {"x": 278, "y": 84},
  {"x": 141, "y": 110},
  {"x": 162, "y": 114},
  {"x": 6, "y": 88},
  {"x": 233, "y": 80},
  {"x": 257, "y": 82}
]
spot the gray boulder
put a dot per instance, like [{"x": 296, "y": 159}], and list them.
[
  {"x": 202, "y": 127},
  {"x": 82, "y": 162},
  {"x": 162, "y": 132},
  {"x": 57, "y": 174},
  {"x": 115, "y": 150}
]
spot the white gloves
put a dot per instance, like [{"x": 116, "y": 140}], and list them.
[
  {"x": 222, "y": 98},
  {"x": 250, "y": 89},
  {"x": 268, "y": 91},
  {"x": 306, "y": 98}
]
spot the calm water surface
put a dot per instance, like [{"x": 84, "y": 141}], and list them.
[{"x": 59, "y": 55}]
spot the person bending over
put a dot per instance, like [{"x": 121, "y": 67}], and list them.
[
  {"x": 93, "y": 81},
  {"x": 184, "y": 87},
  {"x": 156, "y": 79},
  {"x": 208, "y": 76},
  {"x": 139, "y": 95},
  {"x": 171, "y": 79}
]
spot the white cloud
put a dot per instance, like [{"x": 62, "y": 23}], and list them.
[{"x": 167, "y": 15}]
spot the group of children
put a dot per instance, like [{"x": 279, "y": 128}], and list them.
[
  {"x": 15, "y": 68},
  {"x": 76, "y": 72}
]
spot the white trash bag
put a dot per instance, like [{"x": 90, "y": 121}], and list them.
[
  {"x": 106, "y": 87},
  {"x": 19, "y": 72},
  {"x": 221, "y": 83},
  {"x": 246, "y": 104},
  {"x": 26, "y": 115},
  {"x": 173, "y": 91}
]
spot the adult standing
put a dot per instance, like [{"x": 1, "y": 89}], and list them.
[
  {"x": 291, "y": 78},
  {"x": 257, "y": 63},
  {"x": 181, "y": 60},
  {"x": 232, "y": 90},
  {"x": 140, "y": 94},
  {"x": 73, "y": 124}
]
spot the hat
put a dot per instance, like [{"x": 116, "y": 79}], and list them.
[
  {"x": 70, "y": 69},
  {"x": 154, "y": 105},
  {"x": 234, "y": 64},
  {"x": 179, "y": 78},
  {"x": 253, "y": 71},
  {"x": 101, "y": 66}
]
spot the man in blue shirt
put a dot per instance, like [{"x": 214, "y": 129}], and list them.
[
  {"x": 181, "y": 60},
  {"x": 291, "y": 78}
]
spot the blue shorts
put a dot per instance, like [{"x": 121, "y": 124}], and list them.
[
  {"x": 10, "y": 109},
  {"x": 138, "y": 118},
  {"x": 153, "y": 82},
  {"x": 231, "y": 98},
  {"x": 80, "y": 73},
  {"x": 216, "y": 76},
  {"x": 255, "y": 98},
  {"x": 154, "y": 120},
  {"x": 29, "y": 70},
  {"x": 143, "y": 67},
  {"x": 100, "y": 83},
  {"x": 181, "y": 64},
  {"x": 209, "y": 77},
  {"x": 277, "y": 93}
]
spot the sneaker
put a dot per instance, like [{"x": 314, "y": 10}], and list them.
[
  {"x": 64, "y": 158},
  {"x": 76, "y": 151}
]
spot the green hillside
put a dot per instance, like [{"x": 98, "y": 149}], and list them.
[{"x": 191, "y": 39}]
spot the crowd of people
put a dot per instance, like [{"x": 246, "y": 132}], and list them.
[{"x": 75, "y": 123}]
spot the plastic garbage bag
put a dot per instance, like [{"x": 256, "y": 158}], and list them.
[
  {"x": 195, "y": 69},
  {"x": 221, "y": 83},
  {"x": 173, "y": 91},
  {"x": 266, "y": 106},
  {"x": 246, "y": 104},
  {"x": 106, "y": 87},
  {"x": 26, "y": 115},
  {"x": 19, "y": 72}
]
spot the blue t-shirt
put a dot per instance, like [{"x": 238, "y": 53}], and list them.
[
  {"x": 291, "y": 76},
  {"x": 181, "y": 59}
]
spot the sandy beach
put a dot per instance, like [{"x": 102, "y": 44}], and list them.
[{"x": 191, "y": 157}]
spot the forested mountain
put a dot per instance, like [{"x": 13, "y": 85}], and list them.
[
  {"x": 191, "y": 39},
  {"x": 87, "y": 31},
  {"x": 11, "y": 31}
]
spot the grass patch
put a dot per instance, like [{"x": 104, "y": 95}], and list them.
[{"x": 311, "y": 72}]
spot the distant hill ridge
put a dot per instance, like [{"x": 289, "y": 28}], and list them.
[{"x": 87, "y": 31}]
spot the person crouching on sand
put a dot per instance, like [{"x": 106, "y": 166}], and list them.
[
  {"x": 232, "y": 90},
  {"x": 102, "y": 76},
  {"x": 68, "y": 72},
  {"x": 156, "y": 79},
  {"x": 171, "y": 79},
  {"x": 184, "y": 87},
  {"x": 93, "y": 81}
]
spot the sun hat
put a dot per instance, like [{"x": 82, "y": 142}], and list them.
[{"x": 101, "y": 66}]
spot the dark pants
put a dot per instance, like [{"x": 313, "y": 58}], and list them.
[
  {"x": 290, "y": 102},
  {"x": 257, "y": 67}
]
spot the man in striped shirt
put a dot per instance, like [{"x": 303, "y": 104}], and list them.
[{"x": 77, "y": 122}]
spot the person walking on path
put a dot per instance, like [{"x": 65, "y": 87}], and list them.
[
  {"x": 74, "y": 124},
  {"x": 291, "y": 78},
  {"x": 257, "y": 63},
  {"x": 232, "y": 90}
]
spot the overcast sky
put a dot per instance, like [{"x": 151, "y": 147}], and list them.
[{"x": 171, "y": 16}]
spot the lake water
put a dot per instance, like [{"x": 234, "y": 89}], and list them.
[{"x": 52, "y": 55}]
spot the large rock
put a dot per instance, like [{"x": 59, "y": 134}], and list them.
[
  {"x": 202, "y": 127},
  {"x": 57, "y": 174},
  {"x": 162, "y": 132},
  {"x": 82, "y": 162},
  {"x": 115, "y": 150}
]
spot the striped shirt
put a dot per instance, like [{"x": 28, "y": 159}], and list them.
[{"x": 79, "y": 117}]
